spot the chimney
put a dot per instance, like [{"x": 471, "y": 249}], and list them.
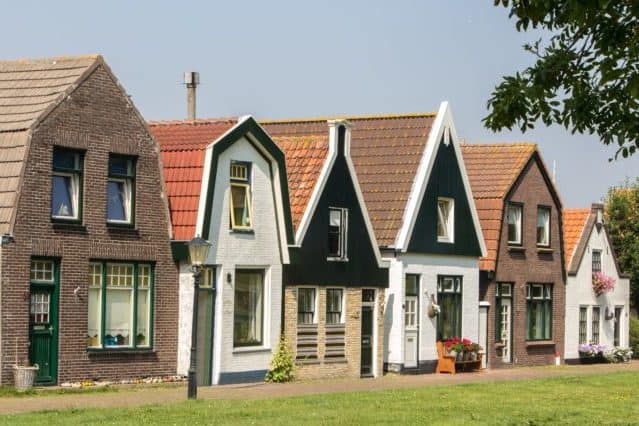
[
  {"x": 192, "y": 80},
  {"x": 598, "y": 209}
]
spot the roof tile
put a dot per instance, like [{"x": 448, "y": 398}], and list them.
[{"x": 574, "y": 221}]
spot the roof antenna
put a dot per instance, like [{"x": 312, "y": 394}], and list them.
[{"x": 192, "y": 80}]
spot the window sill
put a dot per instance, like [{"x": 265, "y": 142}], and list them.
[
  {"x": 123, "y": 229},
  {"x": 544, "y": 250},
  {"x": 63, "y": 225},
  {"x": 242, "y": 231},
  {"x": 120, "y": 225},
  {"x": 445, "y": 241},
  {"x": 111, "y": 351},
  {"x": 250, "y": 349},
  {"x": 539, "y": 343},
  {"x": 516, "y": 249},
  {"x": 337, "y": 259}
]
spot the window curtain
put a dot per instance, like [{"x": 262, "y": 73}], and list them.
[
  {"x": 255, "y": 307},
  {"x": 514, "y": 220}
]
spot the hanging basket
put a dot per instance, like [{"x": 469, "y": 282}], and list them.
[{"x": 24, "y": 377}]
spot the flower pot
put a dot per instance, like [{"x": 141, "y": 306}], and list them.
[
  {"x": 460, "y": 357},
  {"x": 24, "y": 377},
  {"x": 473, "y": 356}
]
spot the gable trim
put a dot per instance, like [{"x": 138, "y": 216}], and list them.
[{"x": 443, "y": 125}]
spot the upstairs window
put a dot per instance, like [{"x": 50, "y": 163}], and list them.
[
  {"x": 66, "y": 187},
  {"x": 241, "y": 218},
  {"x": 596, "y": 261},
  {"x": 445, "y": 219},
  {"x": 337, "y": 233},
  {"x": 543, "y": 226},
  {"x": 514, "y": 216},
  {"x": 121, "y": 189}
]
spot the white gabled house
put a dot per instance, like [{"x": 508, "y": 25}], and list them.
[
  {"x": 226, "y": 181},
  {"x": 590, "y": 318}
]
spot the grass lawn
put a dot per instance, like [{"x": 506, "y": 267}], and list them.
[{"x": 611, "y": 399}]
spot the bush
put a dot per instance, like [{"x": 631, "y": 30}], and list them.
[
  {"x": 634, "y": 335},
  {"x": 282, "y": 366}
]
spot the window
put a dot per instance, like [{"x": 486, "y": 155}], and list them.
[
  {"x": 305, "y": 305},
  {"x": 514, "y": 214},
  {"x": 596, "y": 261},
  {"x": 248, "y": 327},
  {"x": 66, "y": 186},
  {"x": 449, "y": 297},
  {"x": 538, "y": 311},
  {"x": 617, "y": 326},
  {"x": 334, "y": 298},
  {"x": 120, "y": 305},
  {"x": 503, "y": 292},
  {"x": 543, "y": 226},
  {"x": 337, "y": 228},
  {"x": 240, "y": 201},
  {"x": 583, "y": 325},
  {"x": 121, "y": 189},
  {"x": 595, "y": 325},
  {"x": 411, "y": 298},
  {"x": 445, "y": 220}
]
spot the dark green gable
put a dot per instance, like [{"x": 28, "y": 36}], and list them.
[
  {"x": 445, "y": 181},
  {"x": 308, "y": 262}
]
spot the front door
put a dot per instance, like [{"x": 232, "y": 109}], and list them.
[
  {"x": 410, "y": 326},
  {"x": 506, "y": 329},
  {"x": 43, "y": 316},
  {"x": 368, "y": 304}
]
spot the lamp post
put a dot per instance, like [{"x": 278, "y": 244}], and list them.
[{"x": 198, "y": 253}]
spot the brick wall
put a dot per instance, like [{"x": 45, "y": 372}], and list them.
[
  {"x": 528, "y": 265},
  {"x": 98, "y": 118},
  {"x": 324, "y": 367}
]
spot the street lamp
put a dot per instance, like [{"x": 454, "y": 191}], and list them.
[{"x": 198, "y": 253}]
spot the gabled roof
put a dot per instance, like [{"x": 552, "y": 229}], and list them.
[
  {"x": 492, "y": 170},
  {"x": 574, "y": 221},
  {"x": 182, "y": 146},
  {"x": 386, "y": 151},
  {"x": 29, "y": 90}
]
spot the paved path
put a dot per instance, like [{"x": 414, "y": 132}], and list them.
[{"x": 141, "y": 395}]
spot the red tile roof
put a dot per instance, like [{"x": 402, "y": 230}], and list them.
[
  {"x": 574, "y": 221},
  {"x": 386, "y": 151},
  {"x": 492, "y": 170},
  {"x": 182, "y": 145}
]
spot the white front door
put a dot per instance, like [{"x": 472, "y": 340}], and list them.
[
  {"x": 506, "y": 329},
  {"x": 410, "y": 332}
]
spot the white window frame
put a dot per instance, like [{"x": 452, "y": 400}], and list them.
[
  {"x": 315, "y": 304},
  {"x": 75, "y": 195},
  {"x": 546, "y": 226},
  {"x": 343, "y": 234},
  {"x": 449, "y": 224},
  {"x": 519, "y": 224},
  {"x": 343, "y": 308},
  {"x": 127, "y": 200}
]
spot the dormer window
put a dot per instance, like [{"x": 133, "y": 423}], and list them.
[
  {"x": 337, "y": 232},
  {"x": 240, "y": 197},
  {"x": 514, "y": 214},
  {"x": 445, "y": 219}
]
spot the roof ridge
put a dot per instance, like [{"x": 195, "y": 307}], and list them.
[
  {"x": 197, "y": 121},
  {"x": 577, "y": 209},
  {"x": 348, "y": 117},
  {"x": 62, "y": 58},
  {"x": 501, "y": 144}
]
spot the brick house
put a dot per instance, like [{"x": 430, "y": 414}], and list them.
[
  {"x": 590, "y": 318},
  {"x": 86, "y": 270},
  {"x": 226, "y": 181},
  {"x": 335, "y": 283},
  {"x": 522, "y": 280}
]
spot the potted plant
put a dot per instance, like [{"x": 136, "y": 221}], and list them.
[
  {"x": 475, "y": 348},
  {"x": 591, "y": 353},
  {"x": 24, "y": 374},
  {"x": 602, "y": 283},
  {"x": 454, "y": 347}
]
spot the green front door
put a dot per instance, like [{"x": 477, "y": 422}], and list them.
[
  {"x": 205, "y": 324},
  {"x": 43, "y": 320}
]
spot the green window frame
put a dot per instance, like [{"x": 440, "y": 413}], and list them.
[
  {"x": 596, "y": 324},
  {"x": 502, "y": 291},
  {"x": 539, "y": 311},
  {"x": 449, "y": 298},
  {"x": 583, "y": 325},
  {"x": 120, "y": 206},
  {"x": 114, "y": 287},
  {"x": 67, "y": 185}
]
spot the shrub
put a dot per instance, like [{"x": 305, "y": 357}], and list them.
[
  {"x": 283, "y": 365},
  {"x": 634, "y": 335}
]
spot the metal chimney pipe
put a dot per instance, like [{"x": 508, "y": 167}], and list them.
[{"x": 192, "y": 80}]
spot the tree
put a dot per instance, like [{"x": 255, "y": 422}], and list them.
[
  {"x": 586, "y": 73},
  {"x": 622, "y": 221}
]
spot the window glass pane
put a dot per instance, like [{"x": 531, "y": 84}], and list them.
[
  {"x": 412, "y": 285},
  {"x": 65, "y": 159},
  {"x": 335, "y": 233},
  {"x": 443, "y": 211},
  {"x": 94, "y": 317},
  {"x": 449, "y": 319},
  {"x": 537, "y": 291},
  {"x": 119, "y": 309},
  {"x": 334, "y": 305},
  {"x": 62, "y": 197},
  {"x": 514, "y": 224},
  {"x": 143, "y": 317},
  {"x": 368, "y": 295},
  {"x": 305, "y": 305},
  {"x": 335, "y": 220},
  {"x": 41, "y": 270},
  {"x": 505, "y": 289},
  {"x": 595, "y": 325},
  {"x": 122, "y": 166},
  {"x": 543, "y": 226},
  {"x": 117, "y": 200},
  {"x": 583, "y": 325},
  {"x": 596, "y": 261},
  {"x": 240, "y": 206},
  {"x": 249, "y": 289}
]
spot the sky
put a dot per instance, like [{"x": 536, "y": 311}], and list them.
[{"x": 293, "y": 58}]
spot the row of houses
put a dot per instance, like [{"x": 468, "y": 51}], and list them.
[{"x": 341, "y": 233}]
